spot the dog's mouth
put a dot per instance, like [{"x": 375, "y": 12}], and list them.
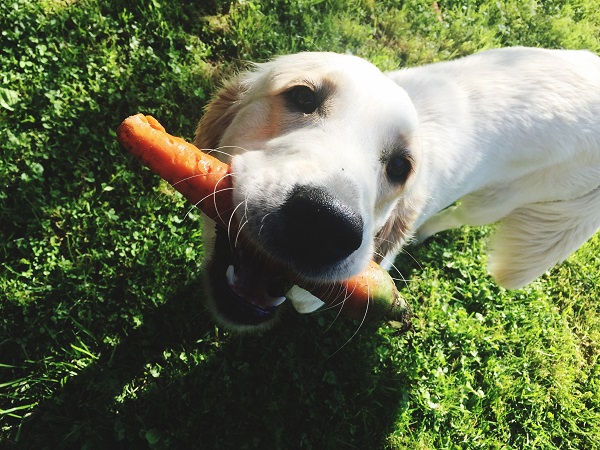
[
  {"x": 245, "y": 288},
  {"x": 311, "y": 236}
]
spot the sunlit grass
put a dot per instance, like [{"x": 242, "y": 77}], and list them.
[{"x": 104, "y": 342}]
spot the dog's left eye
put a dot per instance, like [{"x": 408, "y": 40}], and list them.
[
  {"x": 303, "y": 98},
  {"x": 398, "y": 168}
]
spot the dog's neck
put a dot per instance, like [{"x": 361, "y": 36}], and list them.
[{"x": 460, "y": 135}]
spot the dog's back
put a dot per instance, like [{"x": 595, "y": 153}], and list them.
[{"x": 514, "y": 135}]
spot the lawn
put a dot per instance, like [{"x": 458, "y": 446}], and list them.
[{"x": 104, "y": 341}]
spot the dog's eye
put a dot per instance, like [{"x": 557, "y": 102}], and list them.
[
  {"x": 398, "y": 168},
  {"x": 303, "y": 98}
]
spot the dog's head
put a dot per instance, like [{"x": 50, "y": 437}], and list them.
[{"x": 323, "y": 150}]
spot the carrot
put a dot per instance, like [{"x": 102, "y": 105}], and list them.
[
  {"x": 206, "y": 182},
  {"x": 200, "y": 177},
  {"x": 370, "y": 294}
]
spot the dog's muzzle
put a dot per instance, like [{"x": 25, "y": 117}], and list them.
[
  {"x": 245, "y": 288},
  {"x": 310, "y": 233}
]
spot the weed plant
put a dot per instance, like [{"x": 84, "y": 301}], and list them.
[{"x": 104, "y": 342}]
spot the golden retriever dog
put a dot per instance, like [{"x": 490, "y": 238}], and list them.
[{"x": 335, "y": 163}]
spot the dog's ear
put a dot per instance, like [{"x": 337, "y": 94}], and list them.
[
  {"x": 390, "y": 238},
  {"x": 219, "y": 113},
  {"x": 397, "y": 231}
]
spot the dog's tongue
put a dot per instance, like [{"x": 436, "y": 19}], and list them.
[{"x": 256, "y": 286}]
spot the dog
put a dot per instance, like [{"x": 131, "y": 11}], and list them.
[{"x": 335, "y": 163}]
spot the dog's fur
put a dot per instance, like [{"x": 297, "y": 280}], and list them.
[{"x": 508, "y": 135}]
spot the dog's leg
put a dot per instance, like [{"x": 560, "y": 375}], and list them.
[
  {"x": 480, "y": 208},
  {"x": 492, "y": 204},
  {"x": 533, "y": 238},
  {"x": 444, "y": 220}
]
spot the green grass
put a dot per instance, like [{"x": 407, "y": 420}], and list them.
[{"x": 104, "y": 342}]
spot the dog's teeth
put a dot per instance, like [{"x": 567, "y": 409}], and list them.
[
  {"x": 230, "y": 274},
  {"x": 276, "y": 301},
  {"x": 303, "y": 301}
]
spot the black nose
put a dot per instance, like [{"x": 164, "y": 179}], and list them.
[{"x": 319, "y": 228}]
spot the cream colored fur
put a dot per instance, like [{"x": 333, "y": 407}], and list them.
[{"x": 507, "y": 135}]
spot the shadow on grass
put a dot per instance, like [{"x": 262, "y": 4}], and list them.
[{"x": 173, "y": 383}]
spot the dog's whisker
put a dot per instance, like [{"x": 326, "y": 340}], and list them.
[
  {"x": 215, "y": 195},
  {"x": 262, "y": 223},
  {"x": 230, "y": 224},
  {"x": 221, "y": 151},
  {"x": 243, "y": 221},
  {"x": 187, "y": 178},
  {"x": 339, "y": 306},
  {"x": 339, "y": 313},
  {"x": 221, "y": 147},
  {"x": 393, "y": 266},
  {"x": 195, "y": 205},
  {"x": 242, "y": 225},
  {"x": 339, "y": 303},
  {"x": 358, "y": 328},
  {"x": 404, "y": 251}
]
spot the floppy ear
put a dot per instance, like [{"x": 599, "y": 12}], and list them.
[
  {"x": 219, "y": 113},
  {"x": 390, "y": 238},
  {"x": 396, "y": 232}
]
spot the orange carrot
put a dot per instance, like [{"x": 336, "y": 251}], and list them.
[
  {"x": 206, "y": 182},
  {"x": 370, "y": 294},
  {"x": 200, "y": 177}
]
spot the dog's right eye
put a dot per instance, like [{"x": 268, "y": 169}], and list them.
[
  {"x": 303, "y": 98},
  {"x": 398, "y": 168}
]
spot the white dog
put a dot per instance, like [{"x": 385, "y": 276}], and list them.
[{"x": 335, "y": 163}]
